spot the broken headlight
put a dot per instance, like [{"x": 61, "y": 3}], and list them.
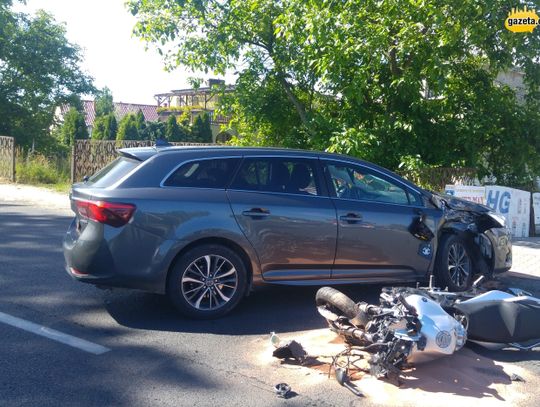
[{"x": 501, "y": 220}]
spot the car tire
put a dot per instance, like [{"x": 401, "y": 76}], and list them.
[
  {"x": 207, "y": 282},
  {"x": 453, "y": 266}
]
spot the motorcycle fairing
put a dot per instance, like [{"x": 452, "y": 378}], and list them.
[{"x": 510, "y": 320}]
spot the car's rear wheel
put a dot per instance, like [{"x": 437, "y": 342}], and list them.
[
  {"x": 454, "y": 266},
  {"x": 207, "y": 282}
]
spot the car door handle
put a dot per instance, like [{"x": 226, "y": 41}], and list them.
[
  {"x": 351, "y": 218},
  {"x": 256, "y": 212}
]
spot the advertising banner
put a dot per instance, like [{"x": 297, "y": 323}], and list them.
[
  {"x": 469, "y": 192},
  {"x": 536, "y": 209},
  {"x": 514, "y": 205}
]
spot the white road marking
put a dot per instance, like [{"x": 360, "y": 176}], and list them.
[{"x": 53, "y": 334}]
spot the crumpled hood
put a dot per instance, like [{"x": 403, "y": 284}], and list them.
[{"x": 459, "y": 204}]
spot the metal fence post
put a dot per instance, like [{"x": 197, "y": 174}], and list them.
[
  {"x": 13, "y": 166},
  {"x": 73, "y": 158}
]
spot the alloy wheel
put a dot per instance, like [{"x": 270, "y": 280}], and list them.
[
  {"x": 209, "y": 282},
  {"x": 459, "y": 264}
]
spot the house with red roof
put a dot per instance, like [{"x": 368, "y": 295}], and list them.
[{"x": 121, "y": 109}]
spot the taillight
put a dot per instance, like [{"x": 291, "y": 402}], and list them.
[{"x": 110, "y": 213}]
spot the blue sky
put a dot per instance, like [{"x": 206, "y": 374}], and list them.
[{"x": 112, "y": 55}]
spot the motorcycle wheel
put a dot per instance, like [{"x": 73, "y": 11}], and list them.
[{"x": 338, "y": 303}]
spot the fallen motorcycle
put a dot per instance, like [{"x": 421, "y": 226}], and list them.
[{"x": 415, "y": 325}]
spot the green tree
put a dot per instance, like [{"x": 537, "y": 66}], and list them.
[
  {"x": 153, "y": 131},
  {"x": 105, "y": 123},
  {"x": 173, "y": 131},
  {"x": 201, "y": 129},
  {"x": 73, "y": 128},
  {"x": 128, "y": 128},
  {"x": 141, "y": 123},
  {"x": 39, "y": 70},
  {"x": 103, "y": 103},
  {"x": 383, "y": 80},
  {"x": 105, "y": 127}
]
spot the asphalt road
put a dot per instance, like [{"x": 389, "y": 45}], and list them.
[{"x": 156, "y": 357}]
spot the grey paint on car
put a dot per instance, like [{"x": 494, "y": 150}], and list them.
[{"x": 265, "y": 215}]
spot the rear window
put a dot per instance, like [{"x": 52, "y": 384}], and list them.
[
  {"x": 214, "y": 173},
  {"x": 112, "y": 172}
]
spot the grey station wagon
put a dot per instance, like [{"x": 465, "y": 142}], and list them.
[{"x": 207, "y": 224}]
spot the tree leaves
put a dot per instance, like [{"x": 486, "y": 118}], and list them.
[
  {"x": 39, "y": 70},
  {"x": 384, "y": 80}
]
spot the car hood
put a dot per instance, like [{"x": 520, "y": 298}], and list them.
[{"x": 458, "y": 203}]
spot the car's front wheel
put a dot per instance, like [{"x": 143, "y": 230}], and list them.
[
  {"x": 454, "y": 266},
  {"x": 207, "y": 282}
]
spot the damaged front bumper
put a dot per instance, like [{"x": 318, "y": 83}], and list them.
[
  {"x": 501, "y": 243},
  {"x": 490, "y": 240}
]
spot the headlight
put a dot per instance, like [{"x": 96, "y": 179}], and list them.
[
  {"x": 501, "y": 220},
  {"x": 461, "y": 336}
]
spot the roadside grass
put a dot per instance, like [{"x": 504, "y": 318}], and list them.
[
  {"x": 39, "y": 170},
  {"x": 59, "y": 187}
]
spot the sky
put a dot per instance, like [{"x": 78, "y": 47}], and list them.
[{"x": 112, "y": 56}]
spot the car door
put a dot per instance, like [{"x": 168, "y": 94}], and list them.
[
  {"x": 282, "y": 207},
  {"x": 375, "y": 213}
]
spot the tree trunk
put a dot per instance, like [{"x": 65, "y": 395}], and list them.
[{"x": 300, "y": 109}]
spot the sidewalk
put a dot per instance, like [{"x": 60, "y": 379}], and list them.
[
  {"x": 32, "y": 195},
  {"x": 526, "y": 256}
]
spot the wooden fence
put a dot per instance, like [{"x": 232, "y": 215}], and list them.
[
  {"x": 7, "y": 158},
  {"x": 89, "y": 156},
  {"x": 438, "y": 177}
]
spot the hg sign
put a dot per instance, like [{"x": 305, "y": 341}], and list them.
[{"x": 498, "y": 200}]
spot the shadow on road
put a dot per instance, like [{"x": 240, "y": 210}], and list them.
[
  {"x": 505, "y": 355},
  {"x": 280, "y": 309}
]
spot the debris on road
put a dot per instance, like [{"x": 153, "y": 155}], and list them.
[
  {"x": 389, "y": 340},
  {"x": 516, "y": 378},
  {"x": 282, "y": 390},
  {"x": 274, "y": 340},
  {"x": 343, "y": 379},
  {"x": 291, "y": 350}
]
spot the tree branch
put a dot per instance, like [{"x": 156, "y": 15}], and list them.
[{"x": 300, "y": 109}]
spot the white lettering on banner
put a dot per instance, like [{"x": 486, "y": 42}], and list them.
[
  {"x": 514, "y": 205},
  {"x": 536, "y": 209},
  {"x": 468, "y": 192}
]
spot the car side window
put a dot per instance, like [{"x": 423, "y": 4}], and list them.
[
  {"x": 286, "y": 175},
  {"x": 358, "y": 183},
  {"x": 213, "y": 173}
]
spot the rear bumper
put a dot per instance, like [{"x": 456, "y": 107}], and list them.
[{"x": 98, "y": 255}]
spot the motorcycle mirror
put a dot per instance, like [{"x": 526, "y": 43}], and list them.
[
  {"x": 343, "y": 380},
  {"x": 341, "y": 375}
]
